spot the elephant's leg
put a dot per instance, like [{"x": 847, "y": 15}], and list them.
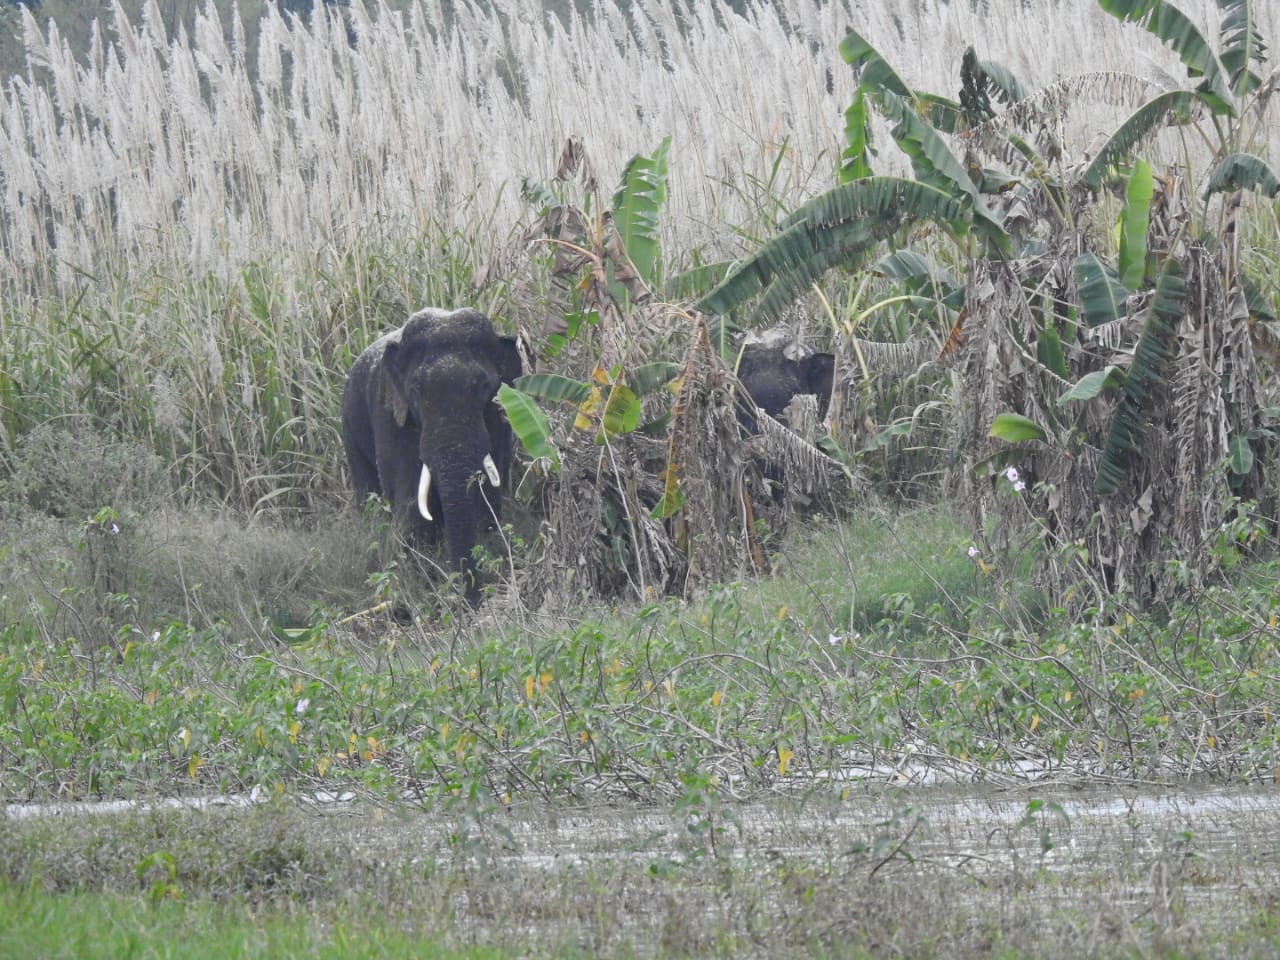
[{"x": 364, "y": 474}]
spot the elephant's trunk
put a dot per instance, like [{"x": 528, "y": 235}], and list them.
[{"x": 458, "y": 485}]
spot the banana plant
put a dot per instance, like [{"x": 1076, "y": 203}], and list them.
[
  {"x": 1228, "y": 92},
  {"x": 843, "y": 227}
]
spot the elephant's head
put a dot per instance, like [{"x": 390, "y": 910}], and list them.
[
  {"x": 440, "y": 377},
  {"x": 773, "y": 374}
]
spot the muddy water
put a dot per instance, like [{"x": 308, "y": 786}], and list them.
[{"x": 913, "y": 870}]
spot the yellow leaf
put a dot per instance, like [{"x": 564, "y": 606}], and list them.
[
  {"x": 1135, "y": 694},
  {"x": 1035, "y": 721},
  {"x": 473, "y": 673},
  {"x": 784, "y": 758},
  {"x": 1164, "y": 720},
  {"x": 1211, "y": 741},
  {"x": 669, "y": 687},
  {"x": 257, "y": 735},
  {"x": 958, "y": 685},
  {"x": 297, "y": 686},
  {"x": 528, "y": 688},
  {"x": 717, "y": 698},
  {"x": 321, "y": 766},
  {"x": 588, "y": 409},
  {"x": 782, "y": 612},
  {"x": 601, "y": 376},
  {"x": 544, "y": 681},
  {"x": 985, "y": 567},
  {"x": 584, "y": 736},
  {"x": 648, "y": 686},
  {"x": 964, "y": 756},
  {"x": 150, "y": 698},
  {"x": 444, "y": 730},
  {"x": 194, "y": 764},
  {"x": 294, "y": 727},
  {"x": 1066, "y": 696},
  {"x": 613, "y": 669}
]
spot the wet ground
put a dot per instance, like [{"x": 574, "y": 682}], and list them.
[{"x": 1185, "y": 870}]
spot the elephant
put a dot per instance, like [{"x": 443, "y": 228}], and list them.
[
  {"x": 773, "y": 374},
  {"x": 422, "y": 428}
]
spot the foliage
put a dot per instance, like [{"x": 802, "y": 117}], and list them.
[
  {"x": 648, "y": 704},
  {"x": 1024, "y": 229}
]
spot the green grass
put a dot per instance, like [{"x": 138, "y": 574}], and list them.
[
  {"x": 112, "y": 926},
  {"x": 795, "y": 675}
]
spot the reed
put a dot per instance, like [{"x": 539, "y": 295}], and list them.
[{"x": 192, "y": 247}]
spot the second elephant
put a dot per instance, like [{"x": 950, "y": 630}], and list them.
[
  {"x": 421, "y": 427},
  {"x": 773, "y": 375}
]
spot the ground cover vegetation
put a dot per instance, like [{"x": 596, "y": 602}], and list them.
[{"x": 1034, "y": 532}]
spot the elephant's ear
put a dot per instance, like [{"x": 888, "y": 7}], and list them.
[
  {"x": 509, "y": 366},
  {"x": 817, "y": 371},
  {"x": 393, "y": 384}
]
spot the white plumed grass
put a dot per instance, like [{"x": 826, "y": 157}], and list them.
[
  {"x": 419, "y": 123},
  {"x": 235, "y": 234}
]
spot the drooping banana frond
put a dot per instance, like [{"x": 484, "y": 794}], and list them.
[
  {"x": 806, "y": 469},
  {"x": 893, "y": 360},
  {"x": 1102, "y": 295},
  {"x": 1142, "y": 124},
  {"x": 933, "y": 163},
  {"x": 1174, "y": 28},
  {"x": 874, "y": 72},
  {"x": 835, "y": 229},
  {"x": 1243, "y": 171},
  {"x": 1146, "y": 372},
  {"x": 1242, "y": 45}
]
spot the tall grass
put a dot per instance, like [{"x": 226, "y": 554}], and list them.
[{"x": 192, "y": 247}]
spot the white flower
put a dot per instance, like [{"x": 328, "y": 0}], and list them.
[
  {"x": 114, "y": 529},
  {"x": 1012, "y": 474},
  {"x": 301, "y": 708},
  {"x": 973, "y": 551},
  {"x": 155, "y": 637},
  {"x": 835, "y": 639}
]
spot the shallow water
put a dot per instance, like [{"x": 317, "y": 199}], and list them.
[{"x": 930, "y": 870}]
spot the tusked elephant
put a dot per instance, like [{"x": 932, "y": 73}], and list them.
[
  {"x": 773, "y": 373},
  {"x": 421, "y": 427}
]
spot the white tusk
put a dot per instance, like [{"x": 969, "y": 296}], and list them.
[
  {"x": 424, "y": 488},
  {"x": 491, "y": 470}
]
